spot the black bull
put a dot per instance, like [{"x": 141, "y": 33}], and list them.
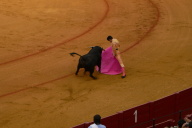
[{"x": 90, "y": 60}]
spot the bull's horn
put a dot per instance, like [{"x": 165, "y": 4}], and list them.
[{"x": 92, "y": 47}]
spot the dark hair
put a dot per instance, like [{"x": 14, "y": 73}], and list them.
[
  {"x": 97, "y": 119},
  {"x": 180, "y": 123},
  {"x": 190, "y": 124},
  {"x": 109, "y": 38}
]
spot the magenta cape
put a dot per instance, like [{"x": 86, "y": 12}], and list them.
[{"x": 109, "y": 64}]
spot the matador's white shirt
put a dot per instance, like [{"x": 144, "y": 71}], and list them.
[{"x": 97, "y": 126}]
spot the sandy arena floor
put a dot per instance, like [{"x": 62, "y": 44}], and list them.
[{"x": 37, "y": 81}]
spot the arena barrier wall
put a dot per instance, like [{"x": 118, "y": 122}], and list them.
[{"x": 161, "y": 112}]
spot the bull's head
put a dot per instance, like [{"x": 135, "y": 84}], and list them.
[{"x": 97, "y": 46}]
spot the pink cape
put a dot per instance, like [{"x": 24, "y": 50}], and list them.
[{"x": 109, "y": 64}]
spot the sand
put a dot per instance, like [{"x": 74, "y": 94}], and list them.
[{"x": 38, "y": 86}]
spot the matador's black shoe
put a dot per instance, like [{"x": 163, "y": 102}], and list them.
[{"x": 123, "y": 76}]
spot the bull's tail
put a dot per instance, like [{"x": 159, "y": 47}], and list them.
[{"x": 72, "y": 54}]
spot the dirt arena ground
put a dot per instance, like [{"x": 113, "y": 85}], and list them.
[{"x": 38, "y": 88}]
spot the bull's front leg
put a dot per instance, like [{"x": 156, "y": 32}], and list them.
[
  {"x": 91, "y": 73},
  {"x": 99, "y": 66}
]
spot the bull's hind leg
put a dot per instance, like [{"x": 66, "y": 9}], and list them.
[{"x": 78, "y": 67}]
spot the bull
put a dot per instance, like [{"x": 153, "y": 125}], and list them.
[{"x": 90, "y": 60}]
